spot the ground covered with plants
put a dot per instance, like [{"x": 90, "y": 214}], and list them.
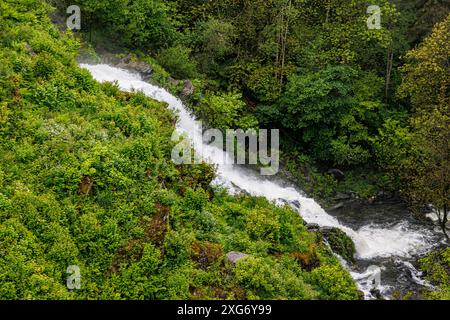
[{"x": 86, "y": 179}]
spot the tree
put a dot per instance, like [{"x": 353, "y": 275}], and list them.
[
  {"x": 178, "y": 62},
  {"x": 430, "y": 174},
  {"x": 332, "y": 112},
  {"x": 145, "y": 24},
  {"x": 426, "y": 80},
  {"x": 225, "y": 111},
  {"x": 427, "y": 84},
  {"x": 428, "y": 14},
  {"x": 419, "y": 156},
  {"x": 214, "y": 40}
]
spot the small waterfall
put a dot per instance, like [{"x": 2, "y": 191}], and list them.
[{"x": 372, "y": 241}]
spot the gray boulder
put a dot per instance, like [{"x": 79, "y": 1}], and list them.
[
  {"x": 234, "y": 257},
  {"x": 132, "y": 64},
  {"x": 340, "y": 205},
  {"x": 188, "y": 88},
  {"x": 173, "y": 81}
]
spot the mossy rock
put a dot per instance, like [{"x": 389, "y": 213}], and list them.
[{"x": 340, "y": 243}]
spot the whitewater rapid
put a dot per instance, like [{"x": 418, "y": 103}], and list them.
[{"x": 371, "y": 241}]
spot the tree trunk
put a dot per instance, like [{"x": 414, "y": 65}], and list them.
[
  {"x": 389, "y": 63},
  {"x": 327, "y": 17}
]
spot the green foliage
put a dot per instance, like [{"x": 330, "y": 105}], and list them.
[
  {"x": 140, "y": 23},
  {"x": 226, "y": 110},
  {"x": 85, "y": 170},
  {"x": 86, "y": 179},
  {"x": 437, "y": 267},
  {"x": 341, "y": 243},
  {"x": 177, "y": 61},
  {"x": 264, "y": 84},
  {"x": 213, "y": 42},
  {"x": 272, "y": 280},
  {"x": 327, "y": 110},
  {"x": 334, "y": 283},
  {"x": 426, "y": 76},
  {"x": 418, "y": 155}
]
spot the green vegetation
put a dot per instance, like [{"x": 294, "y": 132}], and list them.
[
  {"x": 371, "y": 102},
  {"x": 417, "y": 154},
  {"x": 85, "y": 171},
  {"x": 86, "y": 179},
  {"x": 331, "y": 110},
  {"x": 340, "y": 243},
  {"x": 437, "y": 268},
  {"x": 311, "y": 68}
]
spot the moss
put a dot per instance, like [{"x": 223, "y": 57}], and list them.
[{"x": 340, "y": 243}]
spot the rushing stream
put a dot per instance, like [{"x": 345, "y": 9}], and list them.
[{"x": 384, "y": 246}]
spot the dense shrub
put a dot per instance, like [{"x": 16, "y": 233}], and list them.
[{"x": 177, "y": 61}]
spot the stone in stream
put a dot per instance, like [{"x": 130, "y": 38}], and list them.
[
  {"x": 377, "y": 294},
  {"x": 296, "y": 203},
  {"x": 131, "y": 63},
  {"x": 314, "y": 227},
  {"x": 340, "y": 205},
  {"x": 339, "y": 242}
]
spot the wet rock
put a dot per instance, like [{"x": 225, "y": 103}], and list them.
[
  {"x": 340, "y": 242},
  {"x": 313, "y": 227},
  {"x": 340, "y": 205},
  {"x": 371, "y": 200},
  {"x": 188, "y": 88},
  {"x": 337, "y": 174},
  {"x": 341, "y": 196},
  {"x": 234, "y": 257},
  {"x": 296, "y": 203},
  {"x": 376, "y": 293},
  {"x": 326, "y": 230},
  {"x": 384, "y": 195},
  {"x": 130, "y": 63}
]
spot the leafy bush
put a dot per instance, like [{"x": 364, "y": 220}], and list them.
[
  {"x": 334, "y": 283},
  {"x": 332, "y": 119},
  {"x": 177, "y": 61},
  {"x": 437, "y": 268},
  {"x": 225, "y": 110}
]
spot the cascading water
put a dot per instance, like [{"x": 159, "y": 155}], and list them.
[{"x": 375, "y": 244}]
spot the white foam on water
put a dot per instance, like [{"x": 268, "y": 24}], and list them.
[
  {"x": 371, "y": 241},
  {"x": 369, "y": 280}
]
